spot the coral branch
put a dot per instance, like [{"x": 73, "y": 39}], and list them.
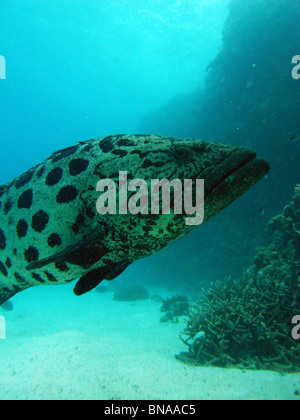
[{"x": 247, "y": 323}]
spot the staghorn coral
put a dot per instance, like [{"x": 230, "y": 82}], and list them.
[{"x": 248, "y": 324}]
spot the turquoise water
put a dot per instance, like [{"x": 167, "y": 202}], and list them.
[{"x": 79, "y": 70}]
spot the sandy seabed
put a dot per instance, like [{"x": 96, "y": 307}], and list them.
[{"x": 60, "y": 346}]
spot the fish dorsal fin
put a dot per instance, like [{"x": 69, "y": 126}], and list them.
[
  {"x": 95, "y": 277},
  {"x": 2, "y": 189},
  {"x": 85, "y": 253}
]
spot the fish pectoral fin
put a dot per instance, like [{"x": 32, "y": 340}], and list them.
[
  {"x": 84, "y": 256},
  {"x": 85, "y": 253},
  {"x": 95, "y": 277},
  {"x": 116, "y": 270},
  {"x": 88, "y": 282}
]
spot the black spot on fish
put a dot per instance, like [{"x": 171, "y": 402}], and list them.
[
  {"x": 79, "y": 222},
  {"x": 25, "y": 200},
  {"x": 120, "y": 153},
  {"x": 61, "y": 154},
  {"x": 8, "y": 263},
  {"x": 50, "y": 277},
  {"x": 54, "y": 240},
  {"x": 21, "y": 279},
  {"x": 24, "y": 179},
  {"x": 159, "y": 164},
  {"x": 98, "y": 172},
  {"x": 106, "y": 145},
  {"x": 40, "y": 221},
  {"x": 38, "y": 278},
  {"x": 31, "y": 254},
  {"x": 61, "y": 266},
  {"x": 87, "y": 148},
  {"x": 140, "y": 247},
  {"x": 2, "y": 240},
  {"x": 90, "y": 213},
  {"x": 22, "y": 228},
  {"x": 7, "y": 206},
  {"x": 77, "y": 166},
  {"x": 170, "y": 227},
  {"x": 147, "y": 163},
  {"x": 124, "y": 142},
  {"x": 54, "y": 177},
  {"x": 115, "y": 175},
  {"x": 67, "y": 194},
  {"x": 106, "y": 261},
  {"x": 142, "y": 155},
  {"x": 3, "y": 269},
  {"x": 15, "y": 251},
  {"x": 40, "y": 172}
]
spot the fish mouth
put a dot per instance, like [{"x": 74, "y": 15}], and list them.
[{"x": 234, "y": 176}]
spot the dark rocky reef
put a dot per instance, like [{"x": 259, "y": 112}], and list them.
[
  {"x": 283, "y": 253},
  {"x": 249, "y": 99},
  {"x": 130, "y": 293},
  {"x": 248, "y": 324}
]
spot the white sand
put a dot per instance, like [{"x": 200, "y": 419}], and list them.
[{"x": 59, "y": 346}]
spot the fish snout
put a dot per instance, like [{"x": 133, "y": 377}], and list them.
[{"x": 230, "y": 179}]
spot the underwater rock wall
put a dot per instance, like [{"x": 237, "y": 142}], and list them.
[
  {"x": 283, "y": 253},
  {"x": 252, "y": 95},
  {"x": 248, "y": 324},
  {"x": 249, "y": 99}
]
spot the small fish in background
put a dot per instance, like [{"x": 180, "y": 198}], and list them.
[
  {"x": 294, "y": 138},
  {"x": 262, "y": 211},
  {"x": 238, "y": 125}
]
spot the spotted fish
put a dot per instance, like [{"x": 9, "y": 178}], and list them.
[{"x": 51, "y": 232}]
